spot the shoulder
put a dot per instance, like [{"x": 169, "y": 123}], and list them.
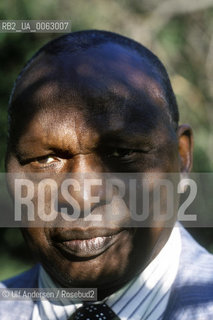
[
  {"x": 27, "y": 279},
  {"x": 195, "y": 260},
  {"x": 19, "y": 309},
  {"x": 192, "y": 293}
]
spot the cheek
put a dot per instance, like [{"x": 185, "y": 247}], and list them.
[
  {"x": 37, "y": 242},
  {"x": 167, "y": 159}
]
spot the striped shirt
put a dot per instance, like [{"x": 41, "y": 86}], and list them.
[{"x": 144, "y": 298}]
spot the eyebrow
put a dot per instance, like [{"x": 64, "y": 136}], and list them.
[
  {"x": 126, "y": 134},
  {"x": 127, "y": 139},
  {"x": 110, "y": 138}
]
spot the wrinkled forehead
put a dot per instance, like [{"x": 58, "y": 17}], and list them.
[{"x": 107, "y": 80}]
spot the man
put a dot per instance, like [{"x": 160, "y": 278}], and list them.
[{"x": 95, "y": 102}]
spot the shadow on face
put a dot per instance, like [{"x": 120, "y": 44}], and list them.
[{"x": 99, "y": 110}]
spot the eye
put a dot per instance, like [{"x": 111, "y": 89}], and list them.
[
  {"x": 46, "y": 160},
  {"x": 43, "y": 162},
  {"x": 120, "y": 153}
]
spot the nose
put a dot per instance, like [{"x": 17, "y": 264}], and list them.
[{"x": 86, "y": 184}]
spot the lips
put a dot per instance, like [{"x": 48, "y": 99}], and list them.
[{"x": 86, "y": 243}]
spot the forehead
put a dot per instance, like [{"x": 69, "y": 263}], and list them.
[
  {"x": 105, "y": 86},
  {"x": 106, "y": 69}
]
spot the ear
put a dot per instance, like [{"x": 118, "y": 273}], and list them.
[{"x": 185, "y": 138}]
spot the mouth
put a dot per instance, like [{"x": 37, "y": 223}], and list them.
[{"x": 86, "y": 244}]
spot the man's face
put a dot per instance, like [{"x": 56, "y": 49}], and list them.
[{"x": 100, "y": 110}]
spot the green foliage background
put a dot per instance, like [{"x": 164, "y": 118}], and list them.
[{"x": 179, "y": 32}]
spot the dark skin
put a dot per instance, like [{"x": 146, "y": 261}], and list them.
[{"x": 101, "y": 110}]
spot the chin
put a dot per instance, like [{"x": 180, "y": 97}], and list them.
[{"x": 109, "y": 269}]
